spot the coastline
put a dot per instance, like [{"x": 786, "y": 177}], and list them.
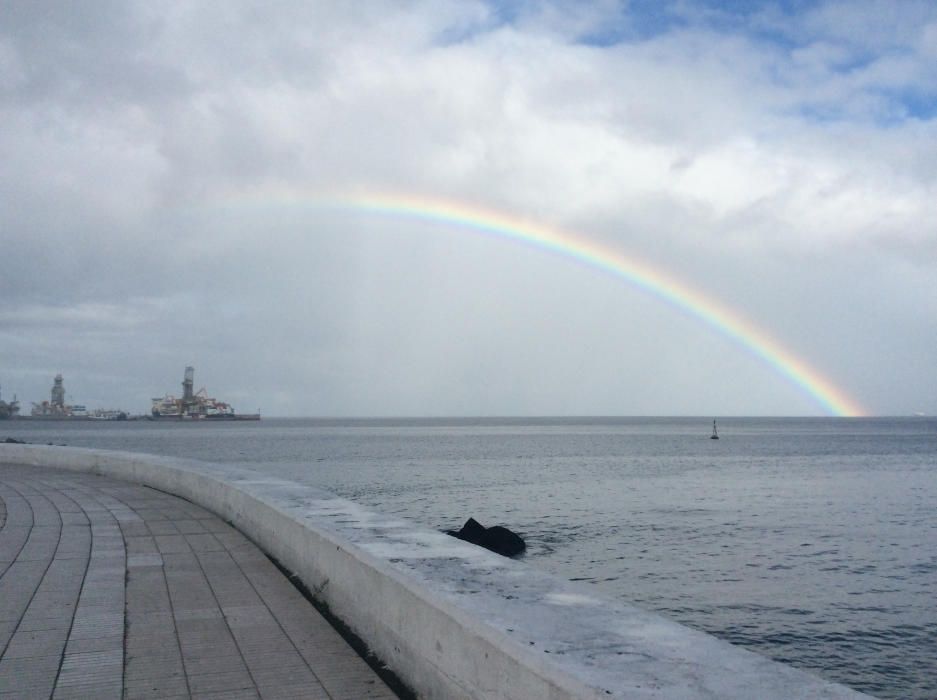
[{"x": 448, "y": 617}]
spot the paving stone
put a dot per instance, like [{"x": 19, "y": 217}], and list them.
[
  {"x": 163, "y": 527},
  {"x": 246, "y": 694},
  {"x": 110, "y": 590},
  {"x": 190, "y": 527},
  {"x": 215, "y": 682},
  {"x": 39, "y": 622},
  {"x": 150, "y": 514},
  {"x": 154, "y": 666},
  {"x": 135, "y": 528},
  {"x": 26, "y": 644},
  {"x": 204, "y": 542},
  {"x": 300, "y": 691},
  {"x": 96, "y": 690},
  {"x": 156, "y": 688},
  {"x": 28, "y": 673},
  {"x": 95, "y": 644}
]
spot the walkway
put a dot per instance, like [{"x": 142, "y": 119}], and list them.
[{"x": 112, "y": 590}]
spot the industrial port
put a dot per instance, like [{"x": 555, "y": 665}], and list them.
[{"x": 193, "y": 406}]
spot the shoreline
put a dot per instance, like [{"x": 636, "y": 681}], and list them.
[{"x": 449, "y": 618}]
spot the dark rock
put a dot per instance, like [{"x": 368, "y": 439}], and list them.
[
  {"x": 497, "y": 539},
  {"x": 473, "y": 531},
  {"x": 504, "y": 541},
  {"x": 14, "y": 441}
]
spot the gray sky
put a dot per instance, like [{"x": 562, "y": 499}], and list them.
[{"x": 779, "y": 158}]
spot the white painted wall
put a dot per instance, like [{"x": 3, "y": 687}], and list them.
[{"x": 451, "y": 619}]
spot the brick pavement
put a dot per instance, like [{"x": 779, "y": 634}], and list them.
[{"x": 113, "y": 590}]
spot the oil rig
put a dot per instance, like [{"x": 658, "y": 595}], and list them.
[
  {"x": 56, "y": 408},
  {"x": 195, "y": 405},
  {"x": 9, "y": 410}
]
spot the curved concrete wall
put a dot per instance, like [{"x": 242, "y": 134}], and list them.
[{"x": 453, "y": 620}]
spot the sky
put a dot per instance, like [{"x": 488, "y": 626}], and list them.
[{"x": 182, "y": 184}]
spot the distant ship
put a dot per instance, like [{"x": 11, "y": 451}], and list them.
[
  {"x": 715, "y": 435},
  {"x": 194, "y": 405}
]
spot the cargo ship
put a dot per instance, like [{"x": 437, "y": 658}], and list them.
[{"x": 194, "y": 405}]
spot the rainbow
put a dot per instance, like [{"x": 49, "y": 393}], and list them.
[{"x": 598, "y": 257}]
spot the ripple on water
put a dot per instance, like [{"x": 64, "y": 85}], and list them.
[{"x": 809, "y": 540}]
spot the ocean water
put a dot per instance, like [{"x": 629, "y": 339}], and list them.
[{"x": 812, "y": 541}]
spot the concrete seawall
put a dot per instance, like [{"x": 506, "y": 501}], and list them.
[{"x": 453, "y": 620}]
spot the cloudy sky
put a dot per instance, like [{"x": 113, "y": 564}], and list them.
[{"x": 162, "y": 167}]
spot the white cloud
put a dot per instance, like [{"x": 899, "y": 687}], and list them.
[{"x": 130, "y": 136}]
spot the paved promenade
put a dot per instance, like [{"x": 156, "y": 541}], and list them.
[{"x": 112, "y": 590}]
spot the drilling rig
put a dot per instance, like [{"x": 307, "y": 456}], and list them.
[
  {"x": 188, "y": 395},
  {"x": 195, "y": 405},
  {"x": 9, "y": 410}
]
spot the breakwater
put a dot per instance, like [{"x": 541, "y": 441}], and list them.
[{"x": 449, "y": 618}]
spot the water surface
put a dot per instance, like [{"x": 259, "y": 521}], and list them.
[{"x": 812, "y": 541}]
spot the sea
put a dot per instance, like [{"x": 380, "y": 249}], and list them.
[{"x": 809, "y": 540}]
